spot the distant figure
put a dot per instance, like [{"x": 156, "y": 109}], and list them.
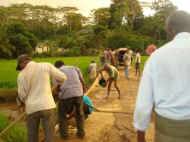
[
  {"x": 150, "y": 49},
  {"x": 116, "y": 58},
  {"x": 131, "y": 54},
  {"x": 34, "y": 90},
  {"x": 113, "y": 77},
  {"x": 102, "y": 60},
  {"x": 111, "y": 58},
  {"x": 71, "y": 97},
  {"x": 164, "y": 88},
  {"x": 138, "y": 64},
  {"x": 107, "y": 56},
  {"x": 127, "y": 63},
  {"x": 92, "y": 70}
]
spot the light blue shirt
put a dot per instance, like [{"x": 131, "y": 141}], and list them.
[
  {"x": 88, "y": 102},
  {"x": 72, "y": 87},
  {"x": 165, "y": 84}
]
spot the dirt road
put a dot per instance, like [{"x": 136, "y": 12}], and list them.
[{"x": 109, "y": 127}]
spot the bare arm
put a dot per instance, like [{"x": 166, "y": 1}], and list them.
[
  {"x": 57, "y": 75},
  {"x": 141, "y": 136},
  {"x": 81, "y": 80},
  {"x": 101, "y": 72},
  {"x": 22, "y": 93}
]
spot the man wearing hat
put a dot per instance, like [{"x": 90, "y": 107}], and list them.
[
  {"x": 164, "y": 87},
  {"x": 34, "y": 90}
]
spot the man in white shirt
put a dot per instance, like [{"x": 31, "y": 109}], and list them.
[
  {"x": 137, "y": 64},
  {"x": 34, "y": 90},
  {"x": 164, "y": 87},
  {"x": 127, "y": 63},
  {"x": 92, "y": 70}
]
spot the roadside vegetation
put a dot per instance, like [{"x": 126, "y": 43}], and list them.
[
  {"x": 63, "y": 31},
  {"x": 8, "y": 73},
  {"x": 17, "y": 133}
]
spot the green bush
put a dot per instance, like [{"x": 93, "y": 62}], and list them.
[
  {"x": 17, "y": 133},
  {"x": 119, "y": 38},
  {"x": 75, "y": 51},
  {"x": 4, "y": 122}
]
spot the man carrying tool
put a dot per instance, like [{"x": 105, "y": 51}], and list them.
[
  {"x": 113, "y": 77},
  {"x": 71, "y": 97},
  {"x": 34, "y": 90},
  {"x": 92, "y": 70},
  {"x": 164, "y": 87}
]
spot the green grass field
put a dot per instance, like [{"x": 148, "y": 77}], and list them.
[{"x": 8, "y": 73}]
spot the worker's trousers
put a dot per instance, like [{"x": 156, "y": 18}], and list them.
[
  {"x": 168, "y": 130},
  {"x": 47, "y": 118},
  {"x": 127, "y": 72},
  {"x": 67, "y": 106}
]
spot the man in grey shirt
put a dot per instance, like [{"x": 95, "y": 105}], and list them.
[{"x": 70, "y": 98}]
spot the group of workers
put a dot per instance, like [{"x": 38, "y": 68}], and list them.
[
  {"x": 128, "y": 59},
  {"x": 35, "y": 94},
  {"x": 164, "y": 89}
]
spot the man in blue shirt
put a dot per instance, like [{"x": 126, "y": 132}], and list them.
[{"x": 71, "y": 97}]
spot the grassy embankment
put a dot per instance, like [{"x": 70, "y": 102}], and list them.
[{"x": 17, "y": 133}]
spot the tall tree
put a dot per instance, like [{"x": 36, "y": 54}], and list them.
[
  {"x": 102, "y": 16},
  {"x": 129, "y": 10},
  {"x": 74, "y": 21}
]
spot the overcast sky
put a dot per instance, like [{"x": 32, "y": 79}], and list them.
[{"x": 86, "y": 6}]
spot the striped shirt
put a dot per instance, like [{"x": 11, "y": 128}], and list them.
[{"x": 34, "y": 87}]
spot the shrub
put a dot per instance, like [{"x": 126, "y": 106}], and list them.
[
  {"x": 75, "y": 51},
  {"x": 119, "y": 38},
  {"x": 4, "y": 122},
  {"x": 17, "y": 133}
]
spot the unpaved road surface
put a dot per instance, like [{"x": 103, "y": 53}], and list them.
[
  {"x": 108, "y": 127},
  {"x": 113, "y": 127}
]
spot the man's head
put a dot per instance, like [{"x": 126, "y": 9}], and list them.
[
  {"x": 22, "y": 61},
  {"x": 59, "y": 64},
  {"x": 93, "y": 61},
  {"x": 106, "y": 66},
  {"x": 177, "y": 22}
]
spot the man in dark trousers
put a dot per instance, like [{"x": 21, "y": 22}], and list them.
[
  {"x": 71, "y": 97},
  {"x": 34, "y": 90}
]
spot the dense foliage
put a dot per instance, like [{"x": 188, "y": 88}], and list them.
[{"x": 64, "y": 31}]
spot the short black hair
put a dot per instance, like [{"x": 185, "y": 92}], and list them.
[
  {"x": 179, "y": 21},
  {"x": 59, "y": 63}
]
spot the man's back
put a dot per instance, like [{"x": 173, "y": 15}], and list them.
[
  {"x": 171, "y": 77},
  {"x": 138, "y": 58},
  {"x": 35, "y": 87},
  {"x": 72, "y": 87}
]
